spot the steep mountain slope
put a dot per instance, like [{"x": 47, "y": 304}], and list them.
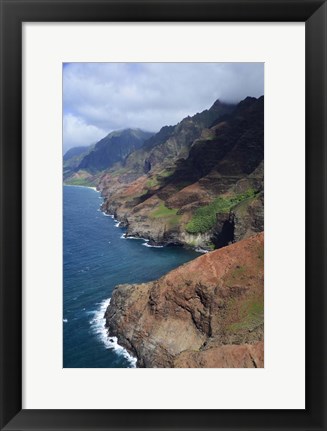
[
  {"x": 72, "y": 159},
  {"x": 206, "y": 313},
  {"x": 174, "y": 142},
  {"x": 115, "y": 147},
  {"x": 75, "y": 152},
  {"x": 202, "y": 186},
  {"x": 83, "y": 165}
]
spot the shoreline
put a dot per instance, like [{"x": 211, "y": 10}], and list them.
[
  {"x": 98, "y": 323},
  {"x": 134, "y": 315},
  {"x": 148, "y": 242},
  {"x": 86, "y": 187},
  {"x": 99, "y": 328}
]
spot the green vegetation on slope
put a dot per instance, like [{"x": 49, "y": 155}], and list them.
[
  {"x": 169, "y": 215},
  {"x": 156, "y": 180},
  {"x": 251, "y": 312},
  {"x": 204, "y": 218},
  {"x": 118, "y": 172},
  {"x": 152, "y": 182},
  {"x": 82, "y": 178}
]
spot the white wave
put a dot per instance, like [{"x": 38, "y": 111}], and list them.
[
  {"x": 201, "y": 250},
  {"x": 153, "y": 246},
  {"x": 65, "y": 320},
  {"x": 136, "y": 237},
  {"x": 98, "y": 327},
  {"x": 117, "y": 224},
  {"x": 123, "y": 236},
  {"x": 85, "y": 187}
]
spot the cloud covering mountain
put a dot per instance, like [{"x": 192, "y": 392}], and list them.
[{"x": 101, "y": 97}]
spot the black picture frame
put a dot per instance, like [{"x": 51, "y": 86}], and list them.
[{"x": 13, "y": 14}]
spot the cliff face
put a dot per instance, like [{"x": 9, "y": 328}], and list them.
[
  {"x": 113, "y": 148},
  {"x": 194, "y": 183},
  {"x": 72, "y": 158},
  {"x": 206, "y": 313},
  {"x": 174, "y": 142}
]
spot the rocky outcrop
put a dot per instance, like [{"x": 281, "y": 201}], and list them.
[{"x": 206, "y": 313}]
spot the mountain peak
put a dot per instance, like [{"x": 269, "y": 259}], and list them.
[
  {"x": 113, "y": 148},
  {"x": 219, "y": 105},
  {"x": 218, "y": 102}
]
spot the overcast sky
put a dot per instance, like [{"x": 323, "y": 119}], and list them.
[{"x": 101, "y": 97}]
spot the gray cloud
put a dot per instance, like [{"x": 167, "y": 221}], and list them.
[{"x": 101, "y": 97}]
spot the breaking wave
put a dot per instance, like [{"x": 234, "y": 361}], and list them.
[{"x": 98, "y": 327}]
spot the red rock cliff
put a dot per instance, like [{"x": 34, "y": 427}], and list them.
[{"x": 206, "y": 313}]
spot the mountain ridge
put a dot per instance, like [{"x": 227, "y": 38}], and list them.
[
  {"x": 113, "y": 148},
  {"x": 219, "y": 172}
]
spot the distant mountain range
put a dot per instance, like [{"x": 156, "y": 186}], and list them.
[{"x": 113, "y": 148}]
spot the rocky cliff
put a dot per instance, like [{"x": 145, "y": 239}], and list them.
[
  {"x": 72, "y": 158},
  {"x": 206, "y": 313},
  {"x": 113, "y": 148},
  {"x": 195, "y": 184}
]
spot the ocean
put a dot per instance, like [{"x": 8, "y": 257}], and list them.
[{"x": 97, "y": 258}]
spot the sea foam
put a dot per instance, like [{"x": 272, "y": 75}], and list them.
[
  {"x": 134, "y": 237},
  {"x": 85, "y": 187},
  {"x": 107, "y": 215},
  {"x": 98, "y": 327},
  {"x": 201, "y": 250},
  {"x": 152, "y": 246}
]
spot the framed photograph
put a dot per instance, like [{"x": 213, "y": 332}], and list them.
[{"x": 163, "y": 211}]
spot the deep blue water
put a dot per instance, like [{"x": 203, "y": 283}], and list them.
[{"x": 96, "y": 259}]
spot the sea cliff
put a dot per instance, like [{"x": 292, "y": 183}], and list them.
[
  {"x": 206, "y": 313},
  {"x": 201, "y": 187}
]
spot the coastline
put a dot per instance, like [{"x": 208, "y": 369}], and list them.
[
  {"x": 98, "y": 323},
  {"x": 148, "y": 242},
  {"x": 111, "y": 340},
  {"x": 77, "y": 185},
  {"x": 146, "y": 311},
  {"x": 99, "y": 327},
  {"x": 111, "y": 330}
]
